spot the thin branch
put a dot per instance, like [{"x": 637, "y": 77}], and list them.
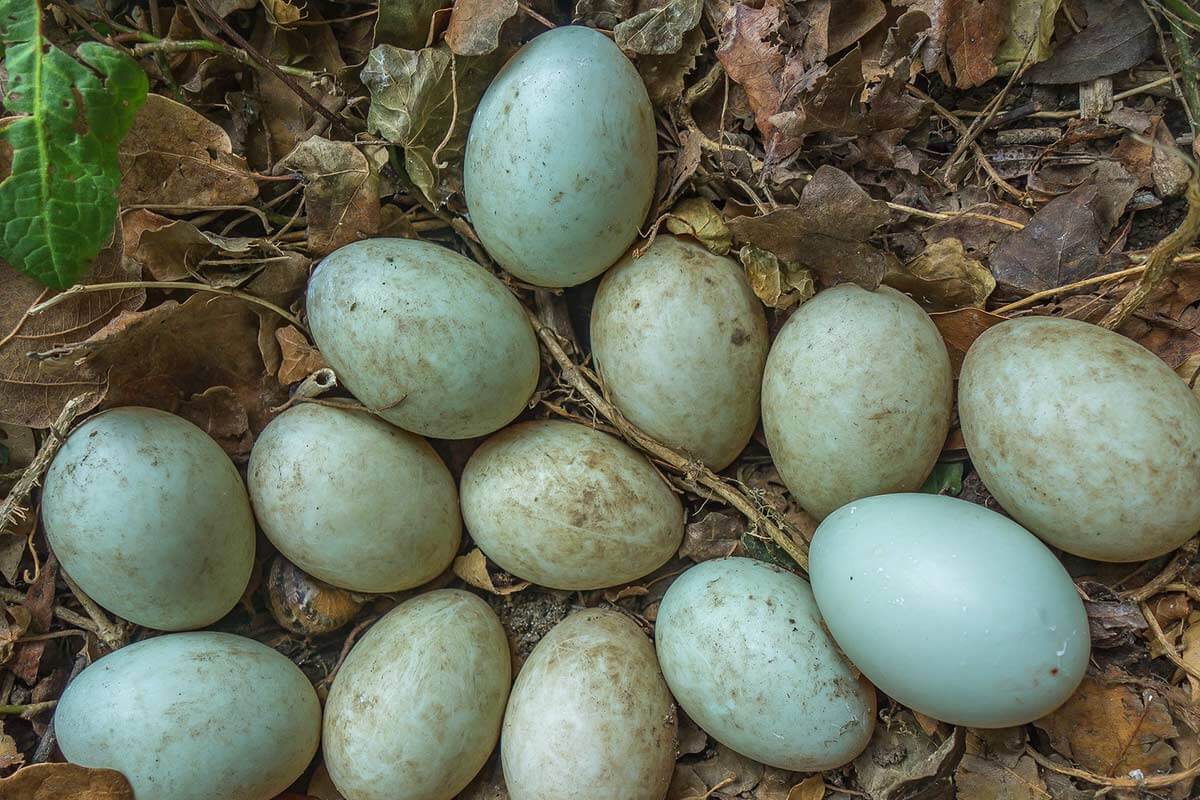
[
  {"x": 171, "y": 46},
  {"x": 1168, "y": 647},
  {"x": 1151, "y": 782}
]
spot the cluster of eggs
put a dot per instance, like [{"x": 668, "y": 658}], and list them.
[{"x": 1086, "y": 439}]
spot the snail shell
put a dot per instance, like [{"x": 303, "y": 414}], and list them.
[{"x": 302, "y": 604}]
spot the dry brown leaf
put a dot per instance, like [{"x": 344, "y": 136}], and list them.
[
  {"x": 33, "y": 391},
  {"x": 473, "y": 568},
  {"x": 659, "y": 31},
  {"x": 900, "y": 757},
  {"x": 14, "y": 622},
  {"x": 173, "y": 156},
  {"x": 663, "y": 75},
  {"x": 169, "y": 250},
  {"x": 341, "y": 193},
  {"x": 979, "y": 778},
  {"x": 716, "y": 535},
  {"x": 299, "y": 359},
  {"x": 751, "y": 56},
  {"x": 10, "y": 756},
  {"x": 282, "y": 13},
  {"x": 725, "y": 764},
  {"x": 778, "y": 284},
  {"x": 850, "y": 20},
  {"x": 960, "y": 329},
  {"x": 834, "y": 103},
  {"x": 698, "y": 218},
  {"x": 1112, "y": 730},
  {"x": 65, "y": 782},
  {"x": 943, "y": 278},
  {"x": 811, "y": 788},
  {"x": 474, "y": 28},
  {"x": 1191, "y": 651},
  {"x": 975, "y": 30}
]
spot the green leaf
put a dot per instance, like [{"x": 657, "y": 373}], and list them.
[
  {"x": 946, "y": 478},
  {"x": 1031, "y": 25},
  {"x": 59, "y": 204}
]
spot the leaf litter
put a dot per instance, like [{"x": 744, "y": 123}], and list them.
[{"x": 806, "y": 139}]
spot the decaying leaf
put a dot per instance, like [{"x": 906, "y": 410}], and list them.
[
  {"x": 826, "y": 231},
  {"x": 659, "y": 31},
  {"x": 715, "y": 535},
  {"x": 168, "y": 250},
  {"x": 473, "y": 568},
  {"x": 811, "y": 788},
  {"x": 779, "y": 284},
  {"x": 1030, "y": 28},
  {"x": 474, "y": 28},
  {"x": 1118, "y": 36},
  {"x": 733, "y": 772},
  {"x": 943, "y": 277},
  {"x": 663, "y": 75},
  {"x": 901, "y": 757},
  {"x": 960, "y": 329},
  {"x": 282, "y": 13},
  {"x": 751, "y": 57},
  {"x": 423, "y": 100},
  {"x": 603, "y": 14},
  {"x": 65, "y": 782},
  {"x": 407, "y": 23},
  {"x": 851, "y": 20},
  {"x": 974, "y": 32},
  {"x": 298, "y": 358},
  {"x": 341, "y": 193},
  {"x": 1113, "y": 730},
  {"x": 698, "y": 218},
  {"x": 979, "y": 778}
]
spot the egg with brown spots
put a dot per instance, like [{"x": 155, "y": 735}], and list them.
[
  {"x": 569, "y": 507},
  {"x": 415, "y": 709},
  {"x": 423, "y": 336},
  {"x": 745, "y": 653},
  {"x": 590, "y": 717},
  {"x": 561, "y": 158},
  {"x": 681, "y": 340},
  {"x": 1087, "y": 438}
]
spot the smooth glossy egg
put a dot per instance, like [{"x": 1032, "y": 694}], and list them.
[
  {"x": 193, "y": 716},
  {"x": 561, "y": 158},
  {"x": 856, "y": 397},
  {"x": 590, "y": 717},
  {"x": 680, "y": 340},
  {"x": 149, "y": 516},
  {"x": 744, "y": 651},
  {"x": 423, "y": 337},
  {"x": 415, "y": 709},
  {"x": 1088, "y": 439},
  {"x": 569, "y": 507},
  {"x": 352, "y": 500},
  {"x": 954, "y": 610}
]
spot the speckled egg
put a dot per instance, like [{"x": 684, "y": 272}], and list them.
[
  {"x": 149, "y": 516},
  {"x": 777, "y": 691},
  {"x": 352, "y": 500},
  {"x": 1088, "y": 439},
  {"x": 193, "y": 716},
  {"x": 423, "y": 337},
  {"x": 416, "y": 708},
  {"x": 590, "y": 717},
  {"x": 856, "y": 397},
  {"x": 954, "y": 610},
  {"x": 561, "y": 158},
  {"x": 681, "y": 340},
  {"x": 569, "y": 507}
]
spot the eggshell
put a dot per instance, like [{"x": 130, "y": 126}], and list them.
[
  {"x": 590, "y": 717},
  {"x": 776, "y": 690},
  {"x": 561, "y": 158},
  {"x": 1088, "y": 439},
  {"x": 681, "y": 340},
  {"x": 568, "y": 507},
  {"x": 424, "y": 337},
  {"x": 193, "y": 716},
  {"x": 415, "y": 710},
  {"x": 149, "y": 516},
  {"x": 856, "y": 397},
  {"x": 353, "y": 500},
  {"x": 954, "y": 610}
]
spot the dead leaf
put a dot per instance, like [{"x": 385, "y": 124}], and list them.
[
  {"x": 900, "y": 758},
  {"x": 752, "y": 58},
  {"x": 663, "y": 75},
  {"x": 413, "y": 100},
  {"x": 725, "y": 764},
  {"x": 10, "y": 756},
  {"x": 698, "y": 218},
  {"x": 659, "y": 31},
  {"x": 281, "y": 13},
  {"x": 1113, "y": 623},
  {"x": 1112, "y": 730},
  {"x": 1030, "y": 28},
  {"x": 778, "y": 284},
  {"x": 473, "y": 568},
  {"x": 173, "y": 156},
  {"x": 850, "y": 20},
  {"x": 32, "y": 391},
  {"x": 960, "y": 329},
  {"x": 834, "y": 103},
  {"x": 65, "y": 782},
  {"x": 1191, "y": 652},
  {"x": 979, "y": 236},
  {"x": 602, "y": 14},
  {"x": 406, "y": 23},
  {"x": 14, "y": 621},
  {"x": 974, "y": 32},
  {"x": 474, "y": 28},
  {"x": 169, "y": 250},
  {"x": 811, "y": 788},
  {"x": 943, "y": 277},
  {"x": 1118, "y": 36},
  {"x": 826, "y": 231},
  {"x": 341, "y": 194},
  {"x": 39, "y": 602},
  {"x": 716, "y": 535},
  {"x": 299, "y": 358},
  {"x": 979, "y": 778}
]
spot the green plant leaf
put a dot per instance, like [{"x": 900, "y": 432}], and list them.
[{"x": 59, "y": 203}]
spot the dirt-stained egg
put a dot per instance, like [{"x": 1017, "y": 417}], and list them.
[
  {"x": 951, "y": 609},
  {"x": 561, "y": 158},
  {"x": 777, "y": 690},
  {"x": 681, "y": 340},
  {"x": 423, "y": 337},
  {"x": 149, "y": 516},
  {"x": 193, "y": 716},
  {"x": 1087, "y": 438},
  {"x": 856, "y": 397},
  {"x": 569, "y": 507},
  {"x": 352, "y": 500},
  {"x": 415, "y": 709},
  {"x": 590, "y": 717}
]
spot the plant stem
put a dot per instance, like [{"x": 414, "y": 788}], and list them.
[
  {"x": 152, "y": 44},
  {"x": 28, "y": 710},
  {"x": 1189, "y": 69}
]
